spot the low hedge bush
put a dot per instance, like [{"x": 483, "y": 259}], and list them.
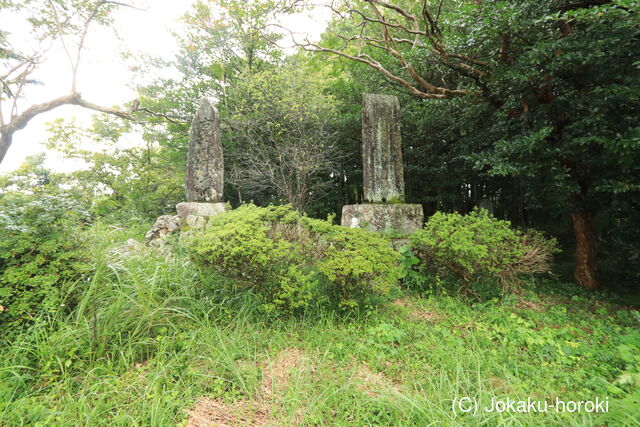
[
  {"x": 478, "y": 246},
  {"x": 291, "y": 261}
]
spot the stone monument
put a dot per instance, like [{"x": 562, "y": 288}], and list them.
[
  {"x": 205, "y": 178},
  {"x": 205, "y": 165},
  {"x": 382, "y": 170}
]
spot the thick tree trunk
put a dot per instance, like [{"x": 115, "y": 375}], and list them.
[{"x": 585, "y": 255}]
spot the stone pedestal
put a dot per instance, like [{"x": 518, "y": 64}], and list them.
[
  {"x": 406, "y": 218},
  {"x": 187, "y": 209},
  {"x": 195, "y": 214}
]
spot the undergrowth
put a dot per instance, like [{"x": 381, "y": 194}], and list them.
[{"x": 150, "y": 335}]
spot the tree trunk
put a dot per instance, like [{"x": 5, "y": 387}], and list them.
[
  {"x": 5, "y": 142},
  {"x": 585, "y": 255}
]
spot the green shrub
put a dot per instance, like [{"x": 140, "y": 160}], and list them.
[
  {"x": 290, "y": 261},
  {"x": 237, "y": 244},
  {"x": 39, "y": 251},
  {"x": 478, "y": 246},
  {"x": 359, "y": 264}
]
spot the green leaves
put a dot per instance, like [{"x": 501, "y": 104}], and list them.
[
  {"x": 477, "y": 246},
  {"x": 121, "y": 173},
  {"x": 279, "y": 139},
  {"x": 291, "y": 261},
  {"x": 39, "y": 252}
]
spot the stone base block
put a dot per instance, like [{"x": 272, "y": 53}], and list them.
[
  {"x": 187, "y": 209},
  {"x": 406, "y": 218}
]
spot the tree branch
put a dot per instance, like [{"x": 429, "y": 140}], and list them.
[
  {"x": 17, "y": 76},
  {"x": 366, "y": 59},
  {"x": 91, "y": 106},
  {"x": 423, "y": 25},
  {"x": 21, "y": 120}
]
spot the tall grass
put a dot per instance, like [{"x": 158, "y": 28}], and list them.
[
  {"x": 134, "y": 310},
  {"x": 147, "y": 335}
]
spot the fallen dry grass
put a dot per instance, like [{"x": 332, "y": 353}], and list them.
[
  {"x": 417, "y": 313},
  {"x": 276, "y": 377},
  {"x": 373, "y": 384},
  {"x": 215, "y": 413}
]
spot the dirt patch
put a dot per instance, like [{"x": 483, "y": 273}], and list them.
[
  {"x": 426, "y": 316},
  {"x": 373, "y": 383},
  {"x": 402, "y": 302},
  {"x": 141, "y": 367},
  {"x": 498, "y": 384},
  {"x": 276, "y": 376},
  {"x": 215, "y": 413}
]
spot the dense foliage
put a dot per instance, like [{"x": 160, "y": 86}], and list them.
[
  {"x": 40, "y": 252},
  {"x": 546, "y": 129},
  {"x": 292, "y": 261},
  {"x": 534, "y": 115},
  {"x": 279, "y": 139},
  {"x": 121, "y": 175},
  {"x": 477, "y": 246}
]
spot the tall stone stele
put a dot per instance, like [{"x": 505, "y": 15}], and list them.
[
  {"x": 205, "y": 165},
  {"x": 205, "y": 178},
  {"x": 382, "y": 169}
]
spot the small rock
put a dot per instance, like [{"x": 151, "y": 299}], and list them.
[
  {"x": 196, "y": 221},
  {"x": 130, "y": 248},
  {"x": 164, "y": 225}
]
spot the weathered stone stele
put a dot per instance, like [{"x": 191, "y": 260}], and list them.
[
  {"x": 205, "y": 179},
  {"x": 382, "y": 170},
  {"x": 205, "y": 162}
]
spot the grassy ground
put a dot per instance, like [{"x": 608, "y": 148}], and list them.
[{"x": 152, "y": 341}]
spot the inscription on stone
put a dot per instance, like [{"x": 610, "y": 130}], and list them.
[
  {"x": 382, "y": 149},
  {"x": 205, "y": 163}
]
